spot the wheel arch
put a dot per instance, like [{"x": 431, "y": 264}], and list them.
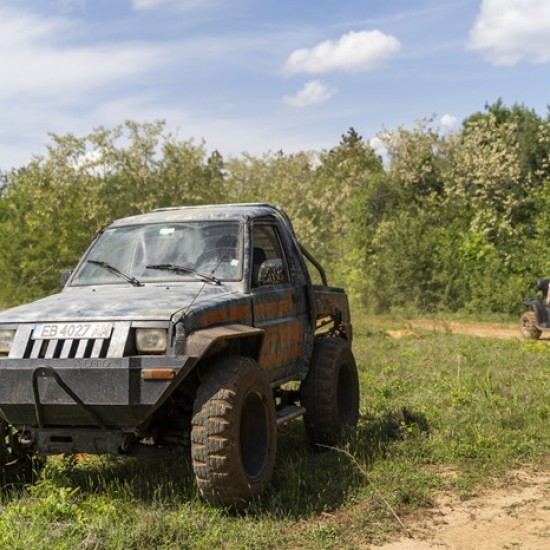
[
  {"x": 235, "y": 338},
  {"x": 207, "y": 346}
]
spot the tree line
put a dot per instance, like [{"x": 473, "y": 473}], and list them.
[{"x": 442, "y": 221}]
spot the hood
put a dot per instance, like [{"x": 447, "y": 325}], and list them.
[{"x": 121, "y": 303}]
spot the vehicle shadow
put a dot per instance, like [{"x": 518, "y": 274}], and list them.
[{"x": 307, "y": 481}]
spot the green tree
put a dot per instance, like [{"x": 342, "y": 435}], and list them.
[
  {"x": 416, "y": 162},
  {"x": 352, "y": 198}
]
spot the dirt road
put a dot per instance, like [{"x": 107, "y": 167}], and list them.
[
  {"x": 515, "y": 516},
  {"x": 484, "y": 330}
]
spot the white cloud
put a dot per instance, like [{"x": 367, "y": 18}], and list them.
[
  {"x": 354, "y": 51},
  {"x": 379, "y": 147},
  {"x": 179, "y": 5},
  {"x": 146, "y": 4},
  {"x": 509, "y": 31},
  {"x": 448, "y": 121},
  {"x": 313, "y": 92},
  {"x": 35, "y": 63},
  {"x": 68, "y": 6}
]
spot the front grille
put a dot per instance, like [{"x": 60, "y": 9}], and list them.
[{"x": 67, "y": 349}]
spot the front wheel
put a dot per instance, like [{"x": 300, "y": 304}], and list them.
[
  {"x": 330, "y": 392},
  {"x": 15, "y": 463},
  {"x": 528, "y": 326},
  {"x": 233, "y": 433}
]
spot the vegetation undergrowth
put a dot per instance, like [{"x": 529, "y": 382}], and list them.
[{"x": 439, "y": 412}]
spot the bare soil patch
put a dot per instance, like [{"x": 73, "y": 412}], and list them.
[{"x": 516, "y": 515}]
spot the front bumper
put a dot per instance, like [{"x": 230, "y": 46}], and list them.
[{"x": 104, "y": 393}]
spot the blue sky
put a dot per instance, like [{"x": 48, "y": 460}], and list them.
[{"x": 259, "y": 76}]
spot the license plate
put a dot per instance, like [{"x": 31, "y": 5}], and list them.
[{"x": 75, "y": 331}]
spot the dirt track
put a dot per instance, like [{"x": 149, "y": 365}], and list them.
[
  {"x": 513, "y": 516},
  {"x": 484, "y": 330}
]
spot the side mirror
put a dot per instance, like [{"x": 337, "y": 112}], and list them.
[
  {"x": 65, "y": 276},
  {"x": 271, "y": 272}
]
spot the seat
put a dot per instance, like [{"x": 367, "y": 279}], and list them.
[{"x": 258, "y": 257}]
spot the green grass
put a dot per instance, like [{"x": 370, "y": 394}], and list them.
[{"x": 439, "y": 412}]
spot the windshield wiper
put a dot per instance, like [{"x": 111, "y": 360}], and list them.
[
  {"x": 181, "y": 269},
  {"x": 116, "y": 271}
]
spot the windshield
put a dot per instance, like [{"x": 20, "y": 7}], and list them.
[{"x": 154, "y": 252}]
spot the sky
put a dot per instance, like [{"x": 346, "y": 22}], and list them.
[{"x": 260, "y": 76}]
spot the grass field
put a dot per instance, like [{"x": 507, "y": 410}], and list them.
[{"x": 439, "y": 412}]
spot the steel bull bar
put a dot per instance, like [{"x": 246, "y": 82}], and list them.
[
  {"x": 50, "y": 371},
  {"x": 60, "y": 407}
]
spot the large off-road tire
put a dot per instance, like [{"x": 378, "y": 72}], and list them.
[
  {"x": 233, "y": 432},
  {"x": 528, "y": 326},
  {"x": 16, "y": 465},
  {"x": 330, "y": 392}
]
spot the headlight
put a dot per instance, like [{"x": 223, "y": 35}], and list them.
[
  {"x": 151, "y": 340},
  {"x": 6, "y": 340}
]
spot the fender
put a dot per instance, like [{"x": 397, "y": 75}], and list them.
[{"x": 207, "y": 341}]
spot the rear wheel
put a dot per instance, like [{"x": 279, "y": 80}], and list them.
[
  {"x": 233, "y": 433},
  {"x": 330, "y": 392},
  {"x": 528, "y": 326}
]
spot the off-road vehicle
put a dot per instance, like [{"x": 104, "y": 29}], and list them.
[
  {"x": 537, "y": 319},
  {"x": 192, "y": 327}
]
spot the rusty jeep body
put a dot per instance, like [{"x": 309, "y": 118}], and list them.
[{"x": 185, "y": 328}]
